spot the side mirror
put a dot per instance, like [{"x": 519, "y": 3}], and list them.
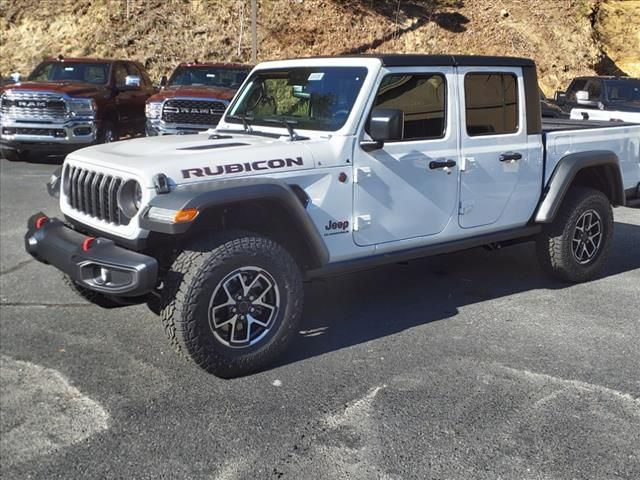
[
  {"x": 560, "y": 98},
  {"x": 132, "y": 82},
  {"x": 15, "y": 77},
  {"x": 582, "y": 97},
  {"x": 163, "y": 81},
  {"x": 385, "y": 124}
]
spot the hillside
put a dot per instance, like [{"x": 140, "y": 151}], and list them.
[{"x": 565, "y": 37}]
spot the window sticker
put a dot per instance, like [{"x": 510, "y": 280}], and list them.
[
  {"x": 68, "y": 69},
  {"x": 315, "y": 76}
]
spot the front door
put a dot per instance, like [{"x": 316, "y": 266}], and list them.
[{"x": 408, "y": 188}]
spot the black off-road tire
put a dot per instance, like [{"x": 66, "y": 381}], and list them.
[
  {"x": 554, "y": 244},
  {"x": 96, "y": 298},
  {"x": 12, "y": 155},
  {"x": 190, "y": 284},
  {"x": 108, "y": 132}
]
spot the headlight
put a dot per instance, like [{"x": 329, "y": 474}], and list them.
[
  {"x": 137, "y": 196},
  {"x": 153, "y": 109},
  {"x": 130, "y": 198},
  {"x": 84, "y": 107}
]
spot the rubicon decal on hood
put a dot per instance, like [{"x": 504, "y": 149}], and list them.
[{"x": 242, "y": 167}]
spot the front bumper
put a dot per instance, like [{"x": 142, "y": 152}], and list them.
[
  {"x": 159, "y": 127},
  {"x": 97, "y": 264},
  {"x": 47, "y": 137}
]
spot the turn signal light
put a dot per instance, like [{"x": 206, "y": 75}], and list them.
[{"x": 185, "y": 215}]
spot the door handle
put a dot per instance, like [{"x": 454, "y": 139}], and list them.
[
  {"x": 446, "y": 164},
  {"x": 509, "y": 156}
]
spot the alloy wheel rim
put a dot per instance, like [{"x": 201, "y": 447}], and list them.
[
  {"x": 243, "y": 307},
  {"x": 587, "y": 237},
  {"x": 109, "y": 136}
]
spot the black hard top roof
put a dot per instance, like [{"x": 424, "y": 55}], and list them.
[
  {"x": 420, "y": 60},
  {"x": 407, "y": 60}
]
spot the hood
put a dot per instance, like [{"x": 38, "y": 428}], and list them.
[
  {"x": 194, "y": 158},
  {"x": 219, "y": 93},
  {"x": 69, "y": 88}
]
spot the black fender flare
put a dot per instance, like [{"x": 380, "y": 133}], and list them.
[
  {"x": 208, "y": 195},
  {"x": 564, "y": 174}
]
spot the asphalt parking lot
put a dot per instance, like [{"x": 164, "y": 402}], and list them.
[{"x": 465, "y": 366}]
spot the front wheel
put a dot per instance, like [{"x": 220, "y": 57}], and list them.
[
  {"x": 574, "y": 246},
  {"x": 12, "y": 155},
  {"x": 232, "y": 304}
]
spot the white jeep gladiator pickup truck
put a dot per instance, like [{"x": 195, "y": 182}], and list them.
[{"x": 326, "y": 165}]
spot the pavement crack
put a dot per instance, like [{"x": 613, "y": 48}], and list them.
[{"x": 24, "y": 263}]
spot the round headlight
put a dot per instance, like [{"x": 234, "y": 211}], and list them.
[
  {"x": 137, "y": 196},
  {"x": 130, "y": 198}
]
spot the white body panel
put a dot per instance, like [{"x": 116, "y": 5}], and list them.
[
  {"x": 604, "y": 115},
  {"x": 397, "y": 202},
  {"x": 624, "y": 141}
]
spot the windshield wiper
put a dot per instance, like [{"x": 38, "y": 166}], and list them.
[
  {"x": 288, "y": 124},
  {"x": 245, "y": 121}
]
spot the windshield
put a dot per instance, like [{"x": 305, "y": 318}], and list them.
[
  {"x": 623, "y": 90},
  {"x": 312, "y": 98},
  {"x": 208, "y": 77},
  {"x": 96, "y": 73}
]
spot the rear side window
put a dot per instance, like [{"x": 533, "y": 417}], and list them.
[
  {"x": 491, "y": 103},
  {"x": 422, "y": 98}
]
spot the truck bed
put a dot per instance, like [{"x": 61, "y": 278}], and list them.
[
  {"x": 564, "y": 137},
  {"x": 561, "y": 124}
]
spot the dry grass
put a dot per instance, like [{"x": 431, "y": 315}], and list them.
[{"x": 558, "y": 34}]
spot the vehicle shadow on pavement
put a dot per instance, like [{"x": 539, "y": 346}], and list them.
[{"x": 352, "y": 309}]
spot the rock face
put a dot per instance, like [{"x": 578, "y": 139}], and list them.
[
  {"x": 566, "y": 38},
  {"x": 617, "y": 27}
]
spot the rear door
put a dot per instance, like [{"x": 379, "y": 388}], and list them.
[
  {"x": 138, "y": 98},
  {"x": 123, "y": 97},
  {"x": 500, "y": 169},
  {"x": 405, "y": 189}
]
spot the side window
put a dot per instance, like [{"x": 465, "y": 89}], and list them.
[
  {"x": 577, "y": 85},
  {"x": 422, "y": 98},
  {"x": 134, "y": 70},
  {"x": 120, "y": 74},
  {"x": 42, "y": 73},
  {"x": 491, "y": 103},
  {"x": 593, "y": 87}
]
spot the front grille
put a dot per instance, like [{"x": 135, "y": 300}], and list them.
[
  {"x": 197, "y": 112},
  {"x": 41, "y": 107},
  {"x": 44, "y": 132},
  {"x": 94, "y": 194}
]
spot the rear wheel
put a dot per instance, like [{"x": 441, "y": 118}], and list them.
[
  {"x": 108, "y": 132},
  {"x": 574, "y": 247},
  {"x": 232, "y": 304}
]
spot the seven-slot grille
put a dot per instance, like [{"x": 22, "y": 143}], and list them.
[
  {"x": 198, "y": 112},
  {"x": 43, "y": 107},
  {"x": 94, "y": 194}
]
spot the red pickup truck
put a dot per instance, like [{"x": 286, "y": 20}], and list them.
[
  {"x": 70, "y": 103},
  {"x": 194, "y": 98}
]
